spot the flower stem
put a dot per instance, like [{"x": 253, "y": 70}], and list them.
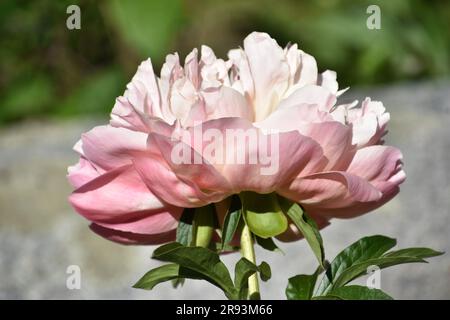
[
  {"x": 248, "y": 252},
  {"x": 203, "y": 227}
]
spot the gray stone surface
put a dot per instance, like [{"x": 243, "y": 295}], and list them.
[{"x": 40, "y": 236}]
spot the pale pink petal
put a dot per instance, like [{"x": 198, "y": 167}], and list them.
[
  {"x": 191, "y": 68},
  {"x": 308, "y": 71},
  {"x": 381, "y": 166},
  {"x": 310, "y": 94},
  {"x": 328, "y": 80},
  {"x": 109, "y": 147},
  {"x": 376, "y": 163},
  {"x": 333, "y": 189},
  {"x": 131, "y": 238},
  {"x": 334, "y": 138},
  {"x": 219, "y": 103},
  {"x": 116, "y": 196},
  {"x": 292, "y": 118},
  {"x": 126, "y": 115},
  {"x": 269, "y": 70},
  {"x": 81, "y": 173},
  {"x": 252, "y": 160},
  {"x": 369, "y": 122},
  {"x": 197, "y": 184},
  {"x": 152, "y": 223},
  {"x": 140, "y": 100}
]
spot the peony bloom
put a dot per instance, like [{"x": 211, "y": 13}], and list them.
[{"x": 132, "y": 185}]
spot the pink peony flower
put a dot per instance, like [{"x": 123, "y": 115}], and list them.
[{"x": 133, "y": 185}]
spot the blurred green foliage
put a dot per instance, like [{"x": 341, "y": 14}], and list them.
[{"x": 48, "y": 70}]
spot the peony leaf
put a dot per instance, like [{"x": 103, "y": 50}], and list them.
[
  {"x": 362, "y": 250},
  {"x": 355, "y": 293},
  {"x": 301, "y": 287},
  {"x": 231, "y": 221},
  {"x": 184, "y": 229},
  {"x": 243, "y": 270},
  {"x": 352, "y": 272},
  {"x": 414, "y": 252},
  {"x": 200, "y": 260},
  {"x": 307, "y": 227},
  {"x": 268, "y": 244},
  {"x": 184, "y": 236},
  {"x": 262, "y": 214},
  {"x": 264, "y": 271},
  {"x": 165, "y": 273}
]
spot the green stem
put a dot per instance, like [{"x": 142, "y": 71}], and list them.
[
  {"x": 248, "y": 252},
  {"x": 203, "y": 227}
]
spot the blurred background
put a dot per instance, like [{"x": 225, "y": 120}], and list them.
[{"x": 56, "y": 83}]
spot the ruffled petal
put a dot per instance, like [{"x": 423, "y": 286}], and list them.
[
  {"x": 130, "y": 238},
  {"x": 108, "y": 147}
]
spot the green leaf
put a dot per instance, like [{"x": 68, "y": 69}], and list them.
[
  {"x": 307, "y": 227},
  {"x": 268, "y": 244},
  {"x": 184, "y": 229},
  {"x": 301, "y": 287},
  {"x": 262, "y": 214},
  {"x": 359, "y": 293},
  {"x": 243, "y": 270},
  {"x": 360, "y": 251},
  {"x": 165, "y": 273},
  {"x": 356, "y": 270},
  {"x": 231, "y": 221},
  {"x": 200, "y": 260},
  {"x": 265, "y": 272},
  {"x": 414, "y": 252},
  {"x": 178, "y": 282},
  {"x": 184, "y": 236},
  {"x": 217, "y": 247}
]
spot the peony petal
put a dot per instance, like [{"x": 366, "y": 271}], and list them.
[
  {"x": 310, "y": 94},
  {"x": 369, "y": 123},
  {"x": 131, "y": 238},
  {"x": 109, "y": 147},
  {"x": 376, "y": 163},
  {"x": 140, "y": 100},
  {"x": 81, "y": 173},
  {"x": 251, "y": 160},
  {"x": 334, "y": 137},
  {"x": 335, "y": 140},
  {"x": 228, "y": 103},
  {"x": 269, "y": 70},
  {"x": 333, "y": 189},
  {"x": 381, "y": 166},
  {"x": 328, "y": 81},
  {"x": 152, "y": 223},
  {"x": 116, "y": 196},
  {"x": 198, "y": 184}
]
